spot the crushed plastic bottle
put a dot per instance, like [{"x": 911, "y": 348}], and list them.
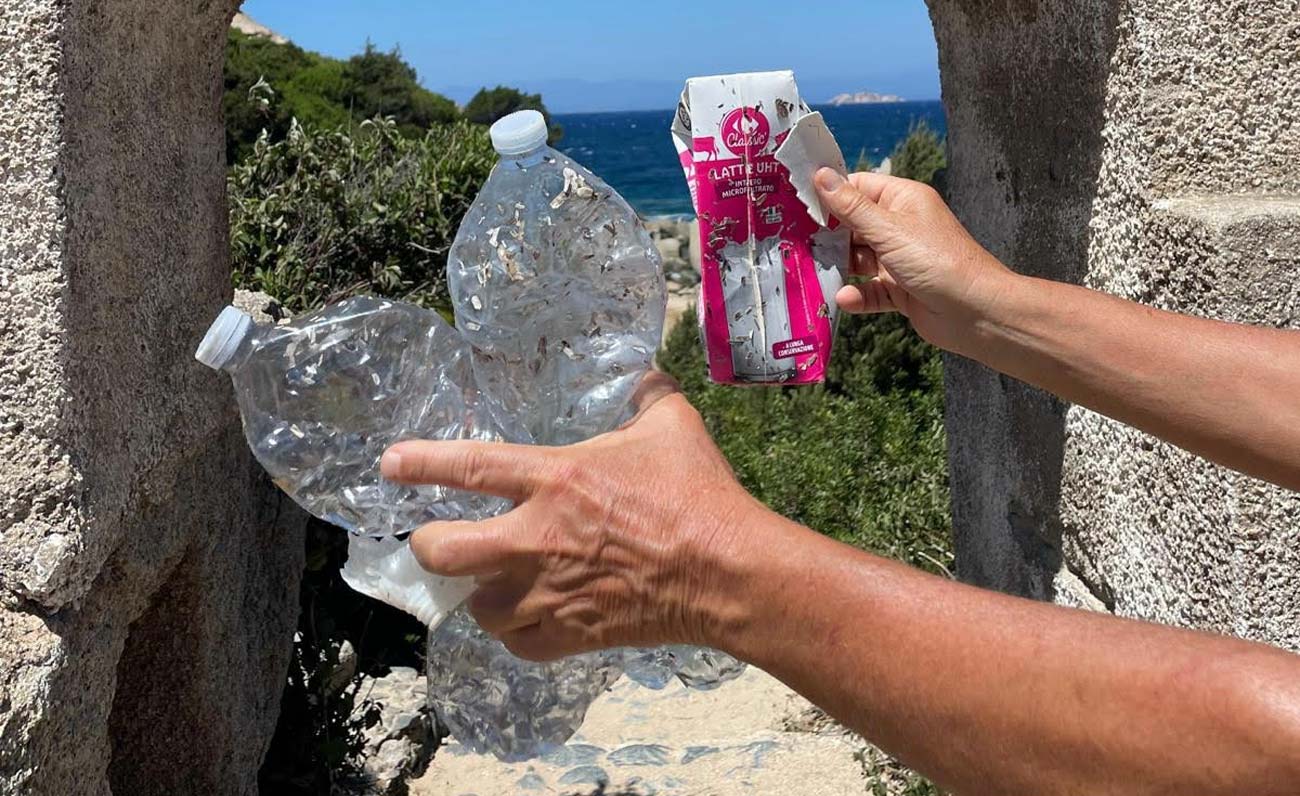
[
  {"x": 560, "y": 292},
  {"x": 496, "y": 703},
  {"x": 558, "y": 288},
  {"x": 559, "y": 299},
  {"x": 700, "y": 668},
  {"x": 323, "y": 396}
]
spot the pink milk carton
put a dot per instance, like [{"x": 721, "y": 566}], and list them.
[{"x": 772, "y": 260}]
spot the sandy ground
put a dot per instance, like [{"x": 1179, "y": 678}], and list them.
[{"x": 751, "y": 736}]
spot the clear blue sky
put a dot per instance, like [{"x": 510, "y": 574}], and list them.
[{"x": 621, "y": 55}]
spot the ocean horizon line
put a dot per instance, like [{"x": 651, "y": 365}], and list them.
[
  {"x": 634, "y": 153},
  {"x": 811, "y": 104}
]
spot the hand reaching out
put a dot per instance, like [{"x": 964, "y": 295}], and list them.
[
  {"x": 612, "y": 542},
  {"x": 914, "y": 255}
]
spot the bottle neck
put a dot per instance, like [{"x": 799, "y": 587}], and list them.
[
  {"x": 525, "y": 159},
  {"x": 239, "y": 355}
]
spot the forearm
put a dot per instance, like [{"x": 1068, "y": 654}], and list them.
[
  {"x": 988, "y": 693},
  {"x": 1227, "y": 392}
]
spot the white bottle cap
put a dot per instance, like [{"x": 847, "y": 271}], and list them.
[
  {"x": 223, "y": 337},
  {"x": 520, "y": 132}
]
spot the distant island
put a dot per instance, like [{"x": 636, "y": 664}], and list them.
[{"x": 863, "y": 98}]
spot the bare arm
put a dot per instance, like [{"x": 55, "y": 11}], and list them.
[
  {"x": 643, "y": 537},
  {"x": 1228, "y": 392},
  {"x": 989, "y": 694}
]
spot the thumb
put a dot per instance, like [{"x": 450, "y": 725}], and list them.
[{"x": 850, "y": 205}]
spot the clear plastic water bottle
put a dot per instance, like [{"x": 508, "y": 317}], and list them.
[
  {"x": 560, "y": 292},
  {"x": 557, "y": 287},
  {"x": 559, "y": 299},
  {"x": 496, "y": 703},
  {"x": 323, "y": 396}
]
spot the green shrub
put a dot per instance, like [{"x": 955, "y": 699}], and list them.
[
  {"x": 382, "y": 84},
  {"x": 322, "y": 215},
  {"x": 860, "y": 458},
  {"x": 250, "y": 102},
  {"x": 267, "y": 85},
  {"x": 920, "y": 156},
  {"x": 490, "y": 104}
]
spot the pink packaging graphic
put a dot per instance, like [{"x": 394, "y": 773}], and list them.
[{"x": 772, "y": 259}]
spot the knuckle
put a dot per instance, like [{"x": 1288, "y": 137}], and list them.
[
  {"x": 472, "y": 468},
  {"x": 690, "y": 418},
  {"x": 586, "y": 494},
  {"x": 549, "y": 540},
  {"x": 428, "y": 552},
  {"x": 853, "y": 204},
  {"x": 569, "y": 477}
]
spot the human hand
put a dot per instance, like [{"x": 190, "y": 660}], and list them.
[
  {"x": 915, "y": 255},
  {"x": 617, "y": 541}
]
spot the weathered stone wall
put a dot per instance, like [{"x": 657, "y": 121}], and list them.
[
  {"x": 148, "y": 573},
  {"x": 1151, "y": 149}
]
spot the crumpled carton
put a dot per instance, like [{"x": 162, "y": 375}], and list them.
[{"x": 772, "y": 257}]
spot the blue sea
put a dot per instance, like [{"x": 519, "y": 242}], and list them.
[{"x": 633, "y": 150}]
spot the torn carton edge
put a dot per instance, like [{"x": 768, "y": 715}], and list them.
[{"x": 809, "y": 147}]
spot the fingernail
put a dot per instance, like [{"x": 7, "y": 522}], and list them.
[
  {"x": 829, "y": 179},
  {"x": 390, "y": 463}
]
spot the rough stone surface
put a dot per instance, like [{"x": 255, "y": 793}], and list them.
[
  {"x": 148, "y": 573},
  {"x": 754, "y": 736},
  {"x": 401, "y": 742},
  {"x": 678, "y": 245},
  {"x": 1150, "y": 149}
]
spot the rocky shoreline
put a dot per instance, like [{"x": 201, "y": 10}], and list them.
[{"x": 678, "y": 245}]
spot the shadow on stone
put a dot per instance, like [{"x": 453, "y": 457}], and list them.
[{"x": 1024, "y": 88}]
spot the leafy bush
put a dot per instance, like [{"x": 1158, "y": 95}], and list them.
[
  {"x": 860, "y": 458},
  {"x": 490, "y": 104},
  {"x": 382, "y": 84},
  {"x": 920, "y": 156},
  {"x": 267, "y": 85},
  {"x": 322, "y": 215}
]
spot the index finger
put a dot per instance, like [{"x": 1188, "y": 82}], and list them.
[{"x": 492, "y": 468}]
